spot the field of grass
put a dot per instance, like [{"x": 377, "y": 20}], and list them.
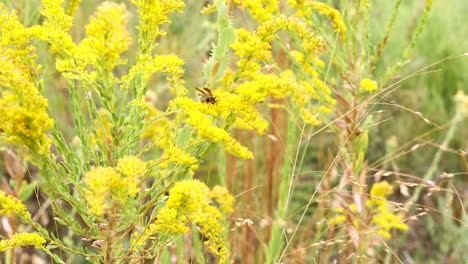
[{"x": 227, "y": 131}]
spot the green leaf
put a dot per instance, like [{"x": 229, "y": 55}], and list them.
[
  {"x": 219, "y": 53},
  {"x": 26, "y": 191}
]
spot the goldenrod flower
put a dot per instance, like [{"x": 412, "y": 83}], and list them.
[
  {"x": 152, "y": 14},
  {"x": 133, "y": 168},
  {"x": 368, "y": 84},
  {"x": 380, "y": 190},
  {"x": 55, "y": 29},
  {"x": 177, "y": 155},
  {"x": 222, "y": 196},
  {"x": 261, "y": 10},
  {"x": 382, "y": 217},
  {"x": 107, "y": 37},
  {"x": 196, "y": 117},
  {"x": 103, "y": 183},
  {"x": 16, "y": 38},
  {"x": 73, "y": 6},
  {"x": 306, "y": 7},
  {"x": 23, "y": 116},
  {"x": 9, "y": 205},
  {"x": 190, "y": 200},
  {"x": 21, "y": 240}
]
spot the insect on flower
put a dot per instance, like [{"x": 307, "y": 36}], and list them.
[{"x": 207, "y": 96}]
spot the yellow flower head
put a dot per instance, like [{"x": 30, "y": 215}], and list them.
[
  {"x": 103, "y": 183},
  {"x": 133, "y": 168},
  {"x": 107, "y": 36},
  {"x": 195, "y": 117},
  {"x": 368, "y": 84},
  {"x": 381, "y": 189},
  {"x": 261, "y": 10},
  {"x": 9, "y": 205},
  {"x": 23, "y": 116},
  {"x": 306, "y": 7},
  {"x": 191, "y": 200},
  {"x": 21, "y": 240},
  {"x": 152, "y": 14},
  {"x": 223, "y": 198}
]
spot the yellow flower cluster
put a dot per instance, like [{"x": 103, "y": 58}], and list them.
[
  {"x": 254, "y": 47},
  {"x": 158, "y": 128},
  {"x": 146, "y": 66},
  {"x": 107, "y": 37},
  {"x": 23, "y": 116},
  {"x": 368, "y": 84},
  {"x": 16, "y": 38},
  {"x": 191, "y": 200},
  {"x": 261, "y": 10},
  {"x": 73, "y": 6},
  {"x": 382, "y": 217},
  {"x": 152, "y": 15},
  {"x": 55, "y": 28},
  {"x": 116, "y": 184},
  {"x": 307, "y": 63},
  {"x": 21, "y": 240},
  {"x": 306, "y": 7},
  {"x": 195, "y": 115},
  {"x": 10, "y": 205}
]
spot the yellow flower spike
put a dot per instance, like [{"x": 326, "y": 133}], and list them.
[
  {"x": 152, "y": 14},
  {"x": 170, "y": 221},
  {"x": 381, "y": 189},
  {"x": 55, "y": 29},
  {"x": 146, "y": 66},
  {"x": 23, "y": 116},
  {"x": 249, "y": 44},
  {"x": 21, "y": 240},
  {"x": 368, "y": 84},
  {"x": 9, "y": 205},
  {"x": 190, "y": 200},
  {"x": 310, "y": 42},
  {"x": 16, "y": 38},
  {"x": 73, "y": 6},
  {"x": 159, "y": 128},
  {"x": 194, "y": 117},
  {"x": 133, "y": 168},
  {"x": 309, "y": 118},
  {"x": 306, "y": 7},
  {"x": 177, "y": 155},
  {"x": 261, "y": 10},
  {"x": 223, "y": 198},
  {"x": 103, "y": 182},
  {"x": 107, "y": 36}
]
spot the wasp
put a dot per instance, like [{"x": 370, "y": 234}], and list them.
[{"x": 207, "y": 96}]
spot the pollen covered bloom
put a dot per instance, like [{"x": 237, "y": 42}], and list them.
[
  {"x": 382, "y": 217},
  {"x": 103, "y": 183},
  {"x": 107, "y": 37},
  {"x": 152, "y": 14},
  {"x": 261, "y": 10},
  {"x": 23, "y": 116},
  {"x": 305, "y": 7},
  {"x": 195, "y": 115},
  {"x": 21, "y": 240},
  {"x": 179, "y": 156},
  {"x": 158, "y": 128},
  {"x": 133, "y": 169},
  {"x": 368, "y": 84},
  {"x": 106, "y": 185},
  {"x": 191, "y": 200},
  {"x": 254, "y": 48},
  {"x": 9, "y": 205}
]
